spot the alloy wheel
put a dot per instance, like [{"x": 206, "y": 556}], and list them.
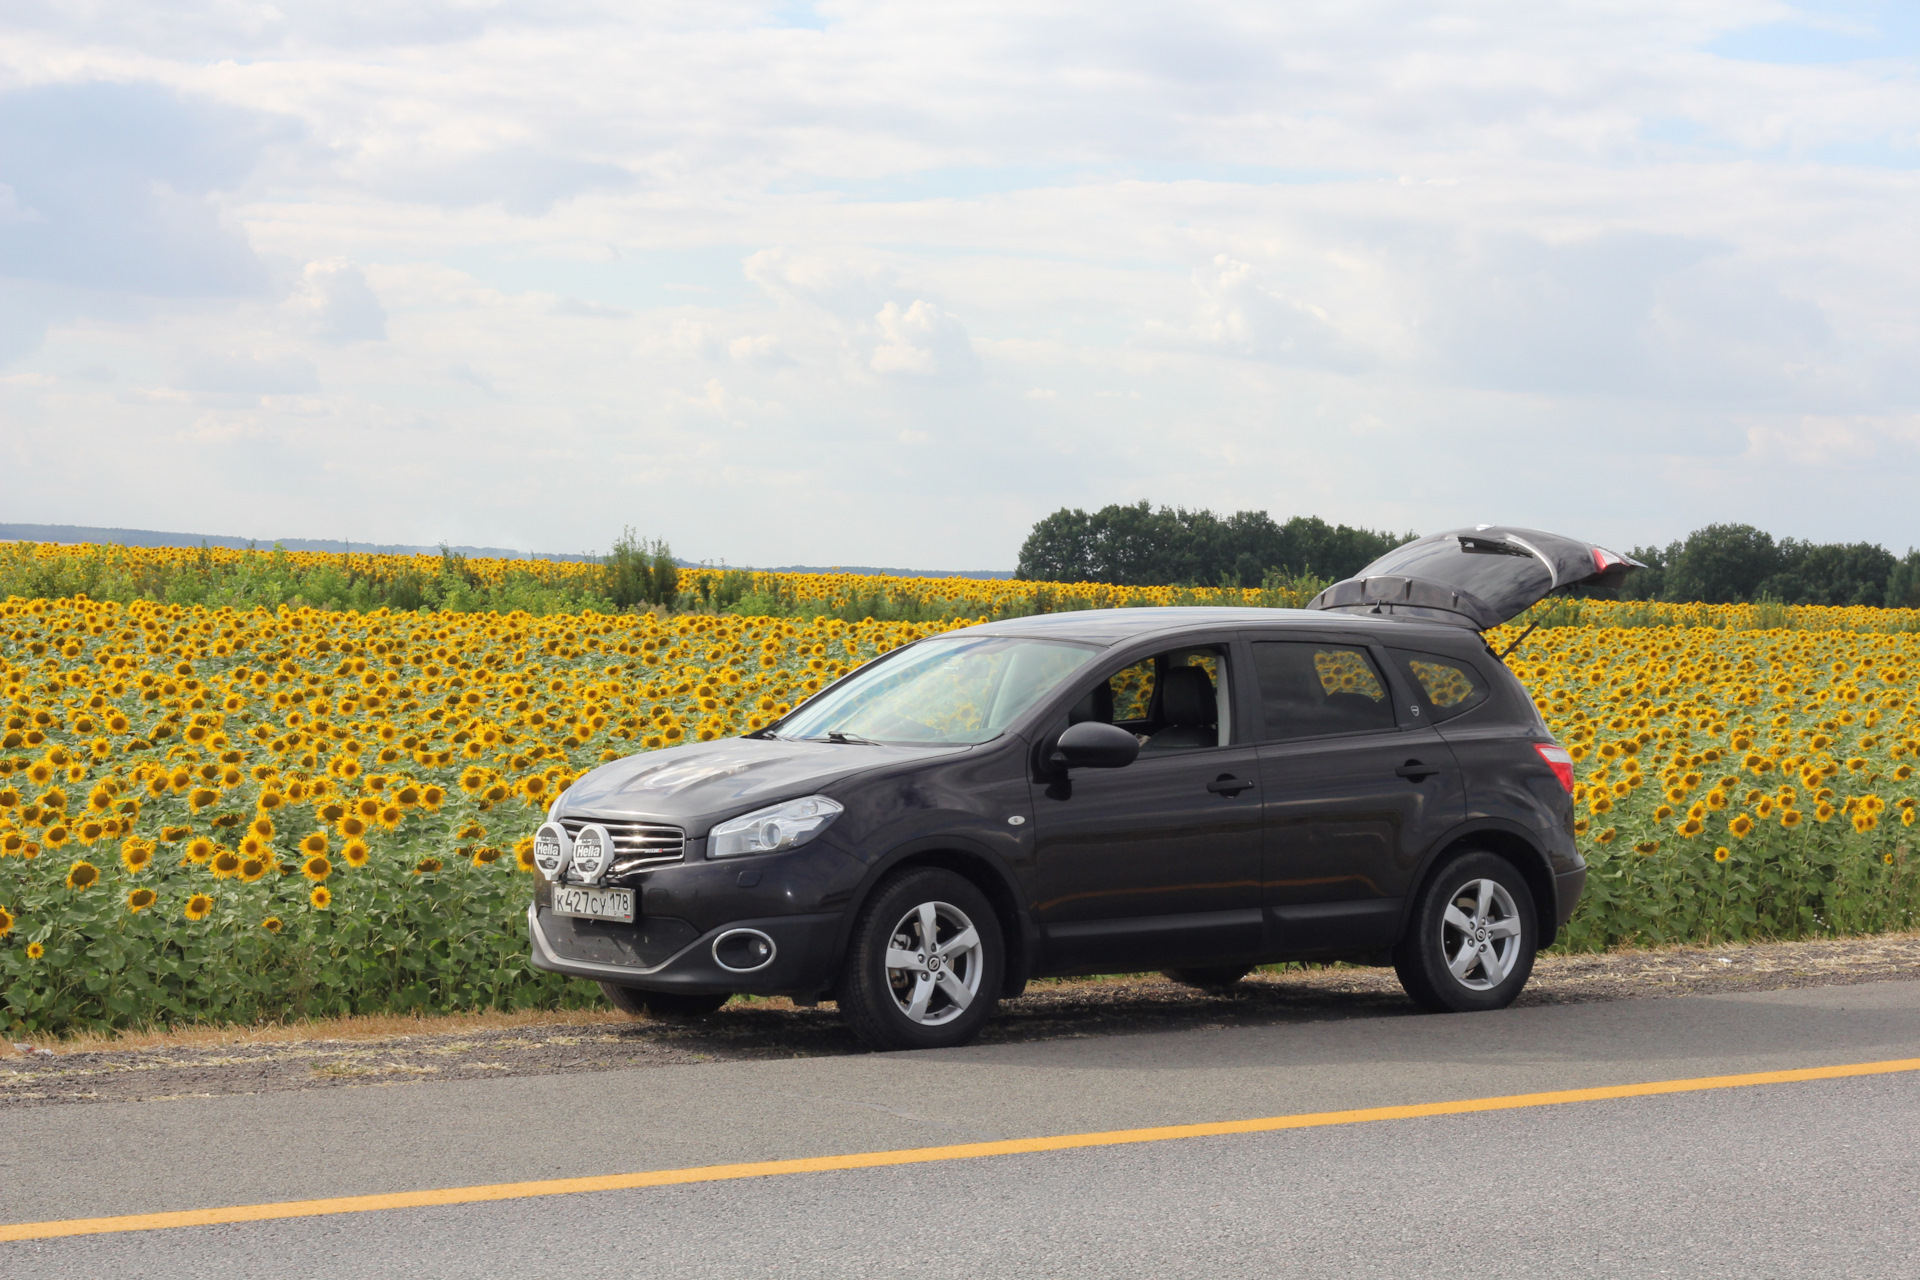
[
  {"x": 934, "y": 963},
  {"x": 1480, "y": 935}
]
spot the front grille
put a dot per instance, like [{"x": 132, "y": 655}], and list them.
[{"x": 636, "y": 845}]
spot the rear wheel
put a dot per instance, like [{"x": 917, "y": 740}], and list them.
[
  {"x": 1471, "y": 941},
  {"x": 1210, "y": 977},
  {"x": 661, "y": 1004},
  {"x": 925, "y": 964}
]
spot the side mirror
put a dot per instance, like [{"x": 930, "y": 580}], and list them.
[{"x": 1092, "y": 745}]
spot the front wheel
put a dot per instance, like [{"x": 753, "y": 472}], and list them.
[
  {"x": 1471, "y": 941},
  {"x": 925, "y": 964},
  {"x": 661, "y": 1004}
]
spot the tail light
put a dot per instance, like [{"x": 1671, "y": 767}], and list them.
[{"x": 1559, "y": 761}]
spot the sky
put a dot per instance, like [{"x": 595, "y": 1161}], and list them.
[{"x": 863, "y": 283}]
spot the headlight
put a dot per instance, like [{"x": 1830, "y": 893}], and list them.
[
  {"x": 550, "y": 849},
  {"x": 774, "y": 829}
]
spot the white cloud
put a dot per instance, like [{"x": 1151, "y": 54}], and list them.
[
  {"x": 1241, "y": 313},
  {"x": 1649, "y": 265},
  {"x": 337, "y": 304},
  {"x": 921, "y": 340},
  {"x": 248, "y": 373}
]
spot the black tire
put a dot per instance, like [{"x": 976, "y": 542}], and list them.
[
  {"x": 1216, "y": 977},
  {"x": 876, "y": 1000},
  {"x": 1496, "y": 963},
  {"x": 661, "y": 1004}
]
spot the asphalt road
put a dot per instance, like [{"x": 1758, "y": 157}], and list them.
[{"x": 1816, "y": 1178}]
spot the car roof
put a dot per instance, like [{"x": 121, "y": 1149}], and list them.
[{"x": 1108, "y": 627}]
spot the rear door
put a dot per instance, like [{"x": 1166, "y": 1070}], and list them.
[
  {"x": 1478, "y": 577},
  {"x": 1355, "y": 790},
  {"x": 1157, "y": 863}
]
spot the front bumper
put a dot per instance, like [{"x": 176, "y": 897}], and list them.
[{"x": 657, "y": 955}]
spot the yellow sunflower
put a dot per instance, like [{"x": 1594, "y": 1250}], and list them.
[
  {"x": 82, "y": 875},
  {"x": 321, "y": 897},
  {"x": 272, "y": 924},
  {"x": 139, "y": 900},
  {"x": 317, "y": 868},
  {"x": 135, "y": 854},
  {"x": 355, "y": 853},
  {"x": 199, "y": 907}
]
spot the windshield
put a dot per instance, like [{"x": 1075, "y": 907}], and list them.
[{"x": 948, "y": 692}]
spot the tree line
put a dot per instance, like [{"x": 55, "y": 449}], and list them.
[
  {"x": 1742, "y": 564},
  {"x": 1141, "y": 545}
]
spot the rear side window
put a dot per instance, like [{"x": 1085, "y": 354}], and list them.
[
  {"x": 1309, "y": 690},
  {"x": 1447, "y": 686}
]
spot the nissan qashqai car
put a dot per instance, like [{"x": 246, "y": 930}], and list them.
[{"x": 1193, "y": 790}]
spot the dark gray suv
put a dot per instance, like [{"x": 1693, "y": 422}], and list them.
[{"x": 1194, "y": 790}]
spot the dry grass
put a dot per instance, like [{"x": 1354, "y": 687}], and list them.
[{"x": 376, "y": 1026}]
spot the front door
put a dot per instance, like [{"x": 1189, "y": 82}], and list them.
[
  {"x": 1157, "y": 863},
  {"x": 1352, "y": 800}
]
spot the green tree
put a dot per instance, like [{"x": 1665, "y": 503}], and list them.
[
  {"x": 1903, "y": 582},
  {"x": 641, "y": 572},
  {"x": 1721, "y": 564},
  {"x": 1139, "y": 545},
  {"x": 1830, "y": 573}
]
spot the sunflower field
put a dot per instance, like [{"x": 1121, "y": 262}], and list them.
[
  {"x": 237, "y": 815},
  {"x": 1735, "y": 784},
  {"x": 207, "y": 814}
]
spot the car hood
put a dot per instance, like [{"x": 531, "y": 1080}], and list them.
[
  {"x": 1478, "y": 577},
  {"x": 696, "y": 785}
]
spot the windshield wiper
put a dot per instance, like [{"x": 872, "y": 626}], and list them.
[{"x": 841, "y": 738}]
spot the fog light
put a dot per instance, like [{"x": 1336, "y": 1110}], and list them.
[
  {"x": 550, "y": 848},
  {"x": 592, "y": 851},
  {"x": 743, "y": 950}
]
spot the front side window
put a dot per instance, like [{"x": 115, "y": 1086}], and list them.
[
  {"x": 948, "y": 691},
  {"x": 1172, "y": 701},
  {"x": 1447, "y": 685},
  {"x": 1309, "y": 690}
]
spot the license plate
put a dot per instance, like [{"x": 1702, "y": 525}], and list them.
[{"x": 593, "y": 904}]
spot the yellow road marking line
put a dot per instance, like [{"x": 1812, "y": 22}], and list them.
[{"x": 920, "y": 1155}]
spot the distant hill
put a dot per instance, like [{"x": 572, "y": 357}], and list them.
[
  {"x": 156, "y": 538},
  {"x": 891, "y": 573}
]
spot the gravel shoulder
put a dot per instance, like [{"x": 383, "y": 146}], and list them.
[{"x": 389, "y": 1052}]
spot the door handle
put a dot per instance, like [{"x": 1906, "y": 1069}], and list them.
[
  {"x": 1228, "y": 785},
  {"x": 1414, "y": 771}
]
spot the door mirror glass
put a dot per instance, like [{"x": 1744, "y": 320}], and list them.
[{"x": 1093, "y": 745}]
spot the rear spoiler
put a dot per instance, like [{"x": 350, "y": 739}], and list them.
[{"x": 1408, "y": 597}]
